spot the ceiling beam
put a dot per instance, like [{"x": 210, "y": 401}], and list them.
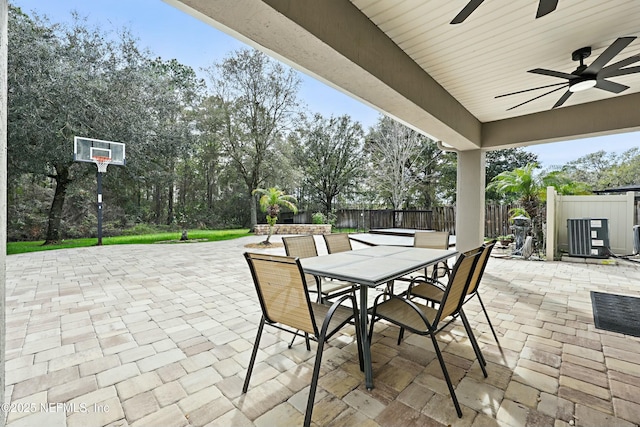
[{"x": 606, "y": 117}]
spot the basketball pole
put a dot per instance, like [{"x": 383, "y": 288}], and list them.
[{"x": 99, "y": 208}]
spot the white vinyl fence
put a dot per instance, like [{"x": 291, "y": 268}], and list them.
[{"x": 618, "y": 209}]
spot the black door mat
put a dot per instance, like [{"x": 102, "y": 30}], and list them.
[{"x": 616, "y": 313}]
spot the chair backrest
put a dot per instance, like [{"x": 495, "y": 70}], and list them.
[
  {"x": 456, "y": 289},
  {"x": 300, "y": 246},
  {"x": 478, "y": 271},
  {"x": 431, "y": 239},
  {"x": 338, "y": 242},
  {"x": 282, "y": 291}
]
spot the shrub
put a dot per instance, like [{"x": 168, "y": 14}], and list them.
[{"x": 318, "y": 218}]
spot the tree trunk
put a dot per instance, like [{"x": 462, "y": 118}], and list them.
[
  {"x": 170, "y": 208},
  {"x": 210, "y": 177},
  {"x": 158, "y": 203},
  {"x": 254, "y": 211},
  {"x": 55, "y": 213}
]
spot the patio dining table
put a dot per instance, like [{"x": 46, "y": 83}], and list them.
[
  {"x": 369, "y": 268},
  {"x": 390, "y": 237}
]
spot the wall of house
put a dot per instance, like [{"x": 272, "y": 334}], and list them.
[
  {"x": 619, "y": 210},
  {"x": 3, "y": 191}
]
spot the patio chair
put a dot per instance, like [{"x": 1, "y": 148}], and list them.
[
  {"x": 305, "y": 247},
  {"x": 434, "y": 240},
  {"x": 429, "y": 240},
  {"x": 433, "y": 291},
  {"x": 337, "y": 242},
  {"x": 424, "y": 320},
  {"x": 284, "y": 300}
]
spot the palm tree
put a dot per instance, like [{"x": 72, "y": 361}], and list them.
[
  {"x": 523, "y": 184},
  {"x": 270, "y": 201},
  {"x": 530, "y": 189}
]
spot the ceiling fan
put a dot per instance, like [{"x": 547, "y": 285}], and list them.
[
  {"x": 544, "y": 7},
  {"x": 586, "y": 77}
]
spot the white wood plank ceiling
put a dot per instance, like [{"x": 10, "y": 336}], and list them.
[{"x": 490, "y": 53}]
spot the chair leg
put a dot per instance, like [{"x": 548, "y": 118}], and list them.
[
  {"x": 474, "y": 343},
  {"x": 487, "y": 316},
  {"x": 314, "y": 382},
  {"x": 253, "y": 356},
  {"x": 446, "y": 376},
  {"x": 306, "y": 338},
  {"x": 389, "y": 288},
  {"x": 356, "y": 316},
  {"x": 400, "y": 335},
  {"x": 292, "y": 340},
  {"x": 373, "y": 321}
]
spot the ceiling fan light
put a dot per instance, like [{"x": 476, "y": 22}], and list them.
[{"x": 581, "y": 85}]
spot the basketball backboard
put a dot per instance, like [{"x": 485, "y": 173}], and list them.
[{"x": 98, "y": 151}]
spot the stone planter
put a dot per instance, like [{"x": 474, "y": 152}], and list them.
[{"x": 263, "y": 229}]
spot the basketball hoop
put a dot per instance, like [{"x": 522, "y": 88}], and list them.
[
  {"x": 102, "y": 162},
  {"x": 102, "y": 153}
]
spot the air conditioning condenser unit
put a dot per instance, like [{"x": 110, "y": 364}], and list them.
[{"x": 588, "y": 237}]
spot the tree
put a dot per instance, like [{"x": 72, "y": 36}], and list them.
[
  {"x": 435, "y": 172},
  {"x": 393, "y": 150},
  {"x": 591, "y": 168},
  {"x": 270, "y": 201},
  {"x": 625, "y": 171},
  {"x": 258, "y": 98},
  {"x": 499, "y": 161},
  {"x": 529, "y": 189},
  {"x": 601, "y": 170},
  {"x": 209, "y": 119},
  {"x": 63, "y": 81},
  {"x": 329, "y": 152},
  {"x": 175, "y": 91},
  {"x": 521, "y": 184}
]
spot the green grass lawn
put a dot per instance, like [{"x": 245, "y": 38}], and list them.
[{"x": 202, "y": 235}]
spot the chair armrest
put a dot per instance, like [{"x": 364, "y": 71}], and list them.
[
  {"x": 424, "y": 279},
  {"x": 332, "y": 310},
  {"x": 410, "y": 304}
]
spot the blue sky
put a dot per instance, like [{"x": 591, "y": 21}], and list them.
[{"x": 170, "y": 33}]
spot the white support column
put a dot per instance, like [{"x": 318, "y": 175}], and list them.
[
  {"x": 470, "y": 200},
  {"x": 631, "y": 209},
  {"x": 551, "y": 223}
]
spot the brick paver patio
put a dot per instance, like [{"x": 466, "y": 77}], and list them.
[{"x": 160, "y": 335}]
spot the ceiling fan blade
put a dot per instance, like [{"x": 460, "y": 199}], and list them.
[
  {"x": 609, "y": 53},
  {"x": 620, "y": 72},
  {"x": 533, "y": 99},
  {"x": 605, "y": 72},
  {"x": 552, "y": 73},
  {"x": 468, "y": 10},
  {"x": 545, "y": 7},
  {"x": 611, "y": 86},
  {"x": 529, "y": 90},
  {"x": 562, "y": 99}
]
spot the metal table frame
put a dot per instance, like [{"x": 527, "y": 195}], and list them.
[{"x": 369, "y": 268}]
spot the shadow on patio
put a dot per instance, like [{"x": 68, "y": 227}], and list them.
[{"x": 162, "y": 334}]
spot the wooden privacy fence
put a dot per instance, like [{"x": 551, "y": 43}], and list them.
[
  {"x": 496, "y": 221},
  {"x": 441, "y": 218}
]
